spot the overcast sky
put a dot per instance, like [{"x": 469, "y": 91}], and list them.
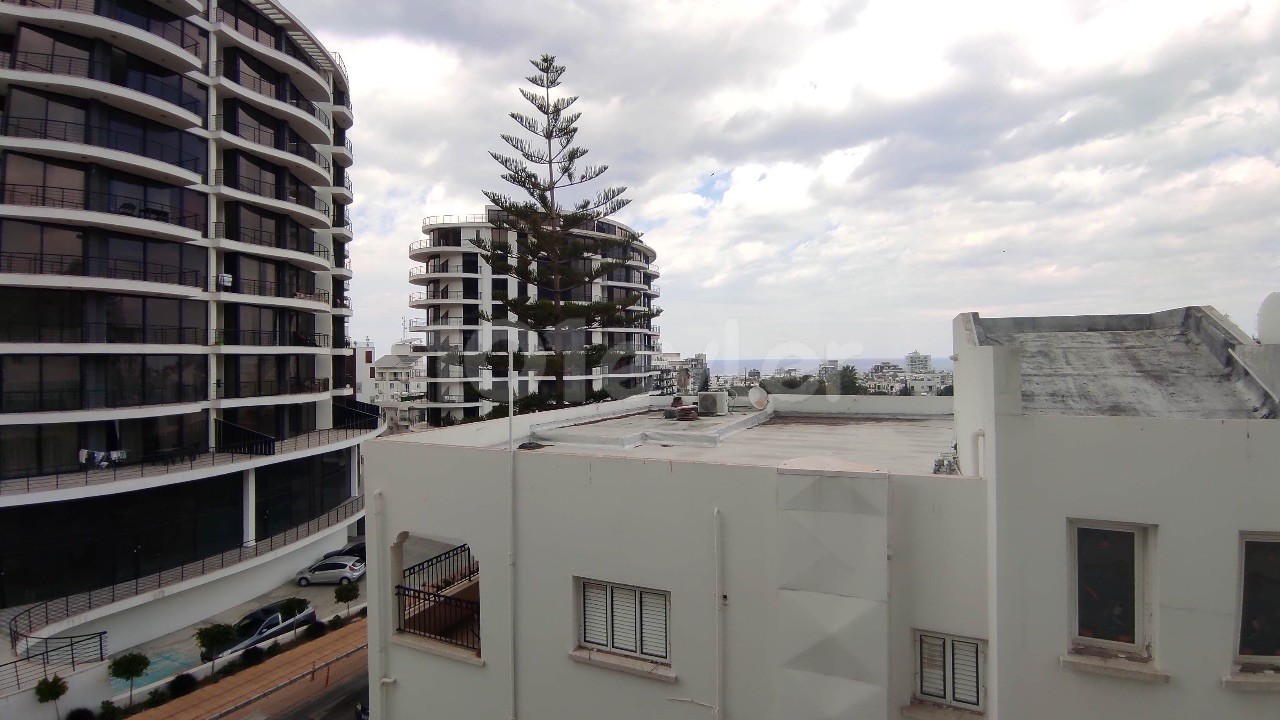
[{"x": 840, "y": 179}]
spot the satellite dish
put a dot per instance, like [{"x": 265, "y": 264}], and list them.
[{"x": 758, "y": 397}]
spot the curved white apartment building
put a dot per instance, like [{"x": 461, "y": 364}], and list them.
[
  {"x": 458, "y": 290},
  {"x": 176, "y": 408}
]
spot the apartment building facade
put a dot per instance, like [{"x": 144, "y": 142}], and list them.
[
  {"x": 461, "y": 298},
  {"x": 1109, "y": 553},
  {"x": 176, "y": 373}
]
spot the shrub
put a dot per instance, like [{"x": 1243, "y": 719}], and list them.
[
  {"x": 364, "y": 611},
  {"x": 157, "y": 697},
  {"x": 252, "y": 656},
  {"x": 315, "y": 629},
  {"x": 273, "y": 649},
  {"x": 80, "y": 714},
  {"x": 183, "y": 684},
  {"x": 336, "y": 622},
  {"x": 108, "y": 711}
]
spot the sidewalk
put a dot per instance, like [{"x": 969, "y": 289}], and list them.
[{"x": 248, "y": 686}]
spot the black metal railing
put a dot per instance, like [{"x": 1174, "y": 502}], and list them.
[
  {"x": 343, "y": 180},
  {"x": 41, "y": 615},
  {"x": 163, "y": 462},
  {"x": 269, "y": 388},
  {"x": 271, "y": 91},
  {"x": 266, "y": 39},
  {"x": 346, "y": 143},
  {"x": 49, "y": 655},
  {"x": 93, "y": 266},
  {"x": 442, "y": 571},
  {"x": 270, "y": 338},
  {"x": 76, "y": 66},
  {"x": 183, "y": 35},
  {"x": 267, "y": 288},
  {"x": 268, "y": 189},
  {"x": 51, "y": 398},
  {"x": 80, "y": 199},
  {"x": 82, "y": 133},
  {"x": 439, "y": 617},
  {"x": 33, "y": 331},
  {"x": 268, "y": 137},
  {"x": 229, "y": 437},
  {"x": 268, "y": 238},
  {"x": 355, "y": 414}
]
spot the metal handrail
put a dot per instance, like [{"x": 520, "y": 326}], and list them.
[
  {"x": 85, "y": 134},
  {"x": 50, "y": 398},
  {"x": 439, "y": 617},
  {"x": 184, "y": 38},
  {"x": 43, "y": 614},
  {"x": 94, "y": 266},
  {"x": 80, "y": 199},
  {"x": 58, "y": 653},
  {"x": 34, "y": 331},
  {"x": 263, "y": 188},
  {"x": 270, "y": 338},
  {"x": 270, "y": 388},
  {"x": 266, "y": 137},
  {"x": 74, "y": 66},
  {"x": 265, "y": 40},
  {"x": 265, "y": 238},
  {"x": 270, "y": 91}
]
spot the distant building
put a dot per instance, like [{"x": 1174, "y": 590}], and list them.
[
  {"x": 918, "y": 362},
  {"x": 364, "y": 371},
  {"x": 829, "y": 371}
]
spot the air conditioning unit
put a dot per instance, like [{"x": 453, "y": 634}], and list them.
[{"x": 713, "y": 403}]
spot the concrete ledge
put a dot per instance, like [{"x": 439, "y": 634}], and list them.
[
  {"x": 1265, "y": 681},
  {"x": 631, "y": 666},
  {"x": 436, "y": 647},
  {"x": 925, "y": 711},
  {"x": 1115, "y": 667}
]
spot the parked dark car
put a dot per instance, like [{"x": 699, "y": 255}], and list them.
[
  {"x": 264, "y": 623},
  {"x": 355, "y": 549}
]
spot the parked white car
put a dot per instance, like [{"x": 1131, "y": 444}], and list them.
[{"x": 342, "y": 569}]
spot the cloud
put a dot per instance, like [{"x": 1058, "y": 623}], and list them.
[{"x": 848, "y": 174}]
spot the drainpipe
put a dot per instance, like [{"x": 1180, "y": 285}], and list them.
[
  {"x": 511, "y": 548},
  {"x": 979, "y": 451},
  {"x": 720, "y": 602}
]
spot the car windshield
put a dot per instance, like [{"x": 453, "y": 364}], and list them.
[{"x": 248, "y": 626}]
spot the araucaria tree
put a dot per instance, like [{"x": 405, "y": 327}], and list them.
[{"x": 555, "y": 247}]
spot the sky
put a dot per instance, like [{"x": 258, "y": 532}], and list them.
[{"x": 841, "y": 179}]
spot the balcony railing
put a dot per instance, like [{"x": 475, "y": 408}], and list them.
[
  {"x": 268, "y": 138},
  {"x": 443, "y": 295},
  {"x": 79, "y": 67},
  {"x": 270, "y": 90},
  {"x": 116, "y": 269},
  {"x": 31, "y": 331},
  {"x": 451, "y": 620},
  {"x": 48, "y": 656},
  {"x": 183, "y": 35},
  {"x": 270, "y": 338},
  {"x": 454, "y": 219},
  {"x": 267, "y": 189},
  {"x": 52, "y": 398},
  {"x": 270, "y": 388},
  {"x": 41, "y": 615},
  {"x": 442, "y": 571},
  {"x": 232, "y": 446},
  {"x": 266, "y": 39},
  {"x": 267, "y": 288},
  {"x": 267, "y": 238},
  {"x": 80, "y": 199},
  {"x": 342, "y": 301},
  {"x": 344, "y": 181},
  {"x": 61, "y": 130}
]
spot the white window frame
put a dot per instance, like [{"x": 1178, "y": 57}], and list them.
[
  {"x": 950, "y": 700},
  {"x": 1143, "y": 563},
  {"x": 580, "y": 625},
  {"x": 1273, "y": 660}
]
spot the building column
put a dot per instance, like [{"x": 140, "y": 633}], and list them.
[
  {"x": 250, "y": 505},
  {"x": 353, "y": 468}
]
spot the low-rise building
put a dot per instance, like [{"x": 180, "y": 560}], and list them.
[{"x": 1107, "y": 548}]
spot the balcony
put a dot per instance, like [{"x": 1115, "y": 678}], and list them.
[
  {"x": 268, "y": 138},
  {"x": 295, "y": 241},
  {"x": 270, "y": 388},
  {"x": 30, "y": 331},
  {"x": 342, "y": 153},
  {"x": 269, "y": 190},
  {"x": 91, "y": 266},
  {"x": 82, "y": 134},
  {"x": 266, "y": 288},
  {"x": 179, "y": 32},
  {"x": 270, "y": 338},
  {"x": 52, "y": 398},
  {"x": 79, "y": 67},
  {"x": 270, "y": 91},
  {"x": 341, "y": 188},
  {"x": 439, "y": 599},
  {"x": 433, "y": 220},
  {"x": 342, "y": 302},
  {"x": 80, "y": 199}
]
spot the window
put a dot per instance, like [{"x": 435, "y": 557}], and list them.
[
  {"x": 950, "y": 670},
  {"x": 1259, "y": 599},
  {"x": 624, "y": 619},
  {"x": 1110, "y": 593}
]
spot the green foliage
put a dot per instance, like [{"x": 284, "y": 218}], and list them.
[
  {"x": 129, "y": 666},
  {"x": 292, "y": 607},
  {"x": 905, "y": 391},
  {"x": 273, "y": 649},
  {"x": 549, "y": 254},
  {"x": 346, "y": 594},
  {"x": 849, "y": 384},
  {"x": 214, "y": 638},
  {"x": 50, "y": 689},
  {"x": 80, "y": 714},
  {"x": 252, "y": 656},
  {"x": 337, "y": 622},
  {"x": 108, "y": 711},
  {"x": 156, "y": 698},
  {"x": 315, "y": 629},
  {"x": 183, "y": 684}
]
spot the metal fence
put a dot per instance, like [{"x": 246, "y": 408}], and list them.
[
  {"x": 439, "y": 617},
  {"x": 50, "y": 656},
  {"x": 442, "y": 571}
]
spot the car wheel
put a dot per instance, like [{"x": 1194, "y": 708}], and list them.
[
  {"x": 344, "y": 581},
  {"x": 303, "y": 582}
]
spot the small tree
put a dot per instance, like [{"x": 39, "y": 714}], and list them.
[
  {"x": 292, "y": 608},
  {"x": 849, "y": 381},
  {"x": 50, "y": 689},
  {"x": 214, "y": 638},
  {"x": 346, "y": 594},
  {"x": 129, "y": 666}
]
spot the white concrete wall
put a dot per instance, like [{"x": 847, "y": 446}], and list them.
[
  {"x": 1201, "y": 482},
  {"x": 86, "y": 688}
]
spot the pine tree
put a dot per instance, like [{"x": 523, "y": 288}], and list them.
[{"x": 552, "y": 250}]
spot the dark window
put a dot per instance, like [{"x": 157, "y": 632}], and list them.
[
  {"x": 1260, "y": 604},
  {"x": 1106, "y": 572}
]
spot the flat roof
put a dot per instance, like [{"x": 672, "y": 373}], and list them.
[
  {"x": 1173, "y": 364},
  {"x": 903, "y": 444}
]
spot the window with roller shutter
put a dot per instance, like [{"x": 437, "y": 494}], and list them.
[
  {"x": 624, "y": 619},
  {"x": 950, "y": 670}
]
